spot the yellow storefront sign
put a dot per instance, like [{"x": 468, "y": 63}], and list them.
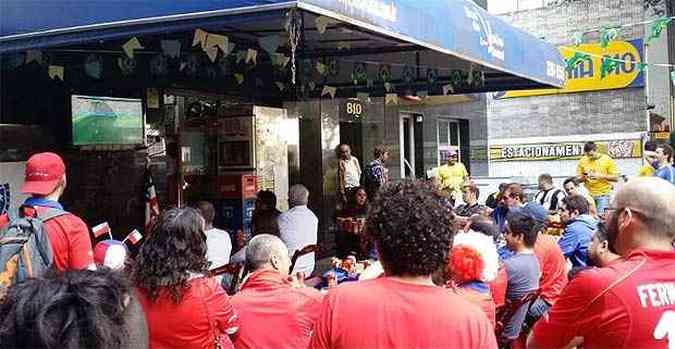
[
  {"x": 617, "y": 149},
  {"x": 586, "y": 76}
]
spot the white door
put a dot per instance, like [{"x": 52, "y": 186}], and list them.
[{"x": 407, "y": 142}]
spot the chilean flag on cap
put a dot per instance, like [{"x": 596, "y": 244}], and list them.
[
  {"x": 135, "y": 236},
  {"x": 101, "y": 229}
]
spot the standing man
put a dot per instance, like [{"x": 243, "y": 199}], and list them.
[
  {"x": 298, "y": 227},
  {"x": 548, "y": 196},
  {"x": 664, "y": 157},
  {"x": 629, "y": 303},
  {"x": 376, "y": 175},
  {"x": 68, "y": 235},
  {"x": 452, "y": 175},
  {"x": 579, "y": 228},
  {"x": 348, "y": 173},
  {"x": 597, "y": 171}
]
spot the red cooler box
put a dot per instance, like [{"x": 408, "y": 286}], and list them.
[{"x": 237, "y": 186}]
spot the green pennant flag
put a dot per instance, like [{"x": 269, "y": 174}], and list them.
[
  {"x": 578, "y": 57},
  {"x": 656, "y": 27},
  {"x": 578, "y": 39},
  {"x": 608, "y": 34},
  {"x": 608, "y": 64},
  {"x": 642, "y": 67}
]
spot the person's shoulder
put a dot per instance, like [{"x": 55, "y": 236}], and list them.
[{"x": 71, "y": 222}]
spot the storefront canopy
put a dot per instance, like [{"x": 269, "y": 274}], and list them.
[{"x": 442, "y": 33}]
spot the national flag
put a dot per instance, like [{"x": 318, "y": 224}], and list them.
[
  {"x": 151, "y": 202},
  {"x": 101, "y": 229},
  {"x": 135, "y": 236}
]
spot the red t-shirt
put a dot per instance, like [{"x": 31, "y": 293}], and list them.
[
  {"x": 498, "y": 287},
  {"x": 483, "y": 300},
  {"x": 387, "y": 313},
  {"x": 272, "y": 314},
  {"x": 204, "y": 313},
  {"x": 69, "y": 238},
  {"x": 629, "y": 304},
  {"x": 553, "y": 268}
]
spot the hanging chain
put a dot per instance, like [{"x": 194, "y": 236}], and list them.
[{"x": 294, "y": 28}]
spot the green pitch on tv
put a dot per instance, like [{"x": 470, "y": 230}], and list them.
[{"x": 106, "y": 120}]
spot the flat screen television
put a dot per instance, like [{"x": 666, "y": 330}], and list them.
[{"x": 106, "y": 120}]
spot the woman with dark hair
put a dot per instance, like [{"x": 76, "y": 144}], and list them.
[
  {"x": 351, "y": 221},
  {"x": 184, "y": 308},
  {"x": 75, "y": 309},
  {"x": 265, "y": 214}
]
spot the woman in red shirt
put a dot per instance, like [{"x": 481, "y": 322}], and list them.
[{"x": 183, "y": 307}]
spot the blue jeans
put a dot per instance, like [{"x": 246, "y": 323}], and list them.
[
  {"x": 601, "y": 203},
  {"x": 538, "y": 308}
]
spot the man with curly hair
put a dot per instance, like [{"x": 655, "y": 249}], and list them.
[{"x": 412, "y": 231}]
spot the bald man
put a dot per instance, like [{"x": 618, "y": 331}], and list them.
[
  {"x": 269, "y": 300},
  {"x": 631, "y": 302}
]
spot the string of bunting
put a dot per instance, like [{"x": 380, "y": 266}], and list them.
[{"x": 611, "y": 33}]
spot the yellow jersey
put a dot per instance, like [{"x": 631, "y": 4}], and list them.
[
  {"x": 646, "y": 171},
  {"x": 452, "y": 177},
  {"x": 605, "y": 166}
]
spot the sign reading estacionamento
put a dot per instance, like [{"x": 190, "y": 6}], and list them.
[
  {"x": 586, "y": 76},
  {"x": 617, "y": 149}
]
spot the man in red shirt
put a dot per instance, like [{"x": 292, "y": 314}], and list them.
[
  {"x": 412, "y": 230},
  {"x": 68, "y": 235},
  {"x": 631, "y": 302},
  {"x": 273, "y": 311}
]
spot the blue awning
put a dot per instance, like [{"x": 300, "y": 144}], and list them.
[{"x": 454, "y": 27}]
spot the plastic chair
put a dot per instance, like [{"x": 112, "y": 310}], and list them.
[
  {"x": 233, "y": 269},
  {"x": 301, "y": 252},
  {"x": 506, "y": 312}
]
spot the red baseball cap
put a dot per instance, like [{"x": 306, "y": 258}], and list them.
[{"x": 43, "y": 173}]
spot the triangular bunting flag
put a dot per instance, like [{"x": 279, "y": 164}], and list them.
[
  {"x": 344, "y": 45},
  {"x": 269, "y": 44},
  {"x": 321, "y": 68},
  {"x": 322, "y": 23},
  {"x": 130, "y": 46},
  {"x": 215, "y": 40},
  {"x": 391, "y": 98},
  {"x": 34, "y": 56},
  {"x": 608, "y": 64},
  {"x": 329, "y": 90},
  {"x": 199, "y": 38},
  {"x": 657, "y": 27},
  {"x": 608, "y": 34},
  {"x": 212, "y": 52},
  {"x": 387, "y": 86},
  {"x": 56, "y": 71},
  {"x": 252, "y": 56},
  {"x": 239, "y": 77},
  {"x": 171, "y": 48}
]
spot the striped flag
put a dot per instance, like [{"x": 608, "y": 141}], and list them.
[
  {"x": 135, "y": 236},
  {"x": 151, "y": 202},
  {"x": 102, "y": 229}
]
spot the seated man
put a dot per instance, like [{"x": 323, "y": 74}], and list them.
[
  {"x": 579, "y": 228},
  {"x": 298, "y": 227},
  {"x": 630, "y": 302},
  {"x": 404, "y": 309},
  {"x": 273, "y": 311},
  {"x": 522, "y": 269}
]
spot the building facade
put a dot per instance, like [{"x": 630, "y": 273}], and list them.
[{"x": 542, "y": 132}]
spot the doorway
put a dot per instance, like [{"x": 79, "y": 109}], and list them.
[{"x": 408, "y": 141}]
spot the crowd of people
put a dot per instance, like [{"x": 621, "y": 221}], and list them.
[{"x": 570, "y": 267}]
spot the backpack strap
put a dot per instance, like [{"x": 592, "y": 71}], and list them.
[{"x": 50, "y": 213}]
